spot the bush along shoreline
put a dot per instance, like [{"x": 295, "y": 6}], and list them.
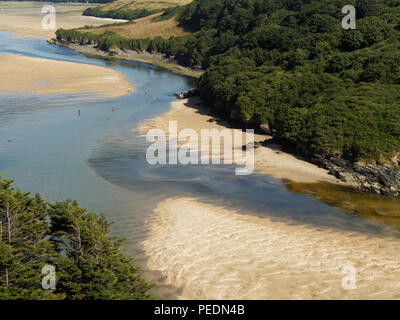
[
  {"x": 157, "y": 59},
  {"x": 289, "y": 66},
  {"x": 119, "y": 13}
]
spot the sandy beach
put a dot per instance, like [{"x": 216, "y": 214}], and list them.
[
  {"x": 25, "y": 20},
  {"x": 268, "y": 160},
  {"x": 20, "y": 74},
  {"x": 212, "y": 252},
  {"x": 215, "y": 253}
]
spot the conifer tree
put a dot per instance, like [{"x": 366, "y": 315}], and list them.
[
  {"x": 24, "y": 249},
  {"x": 89, "y": 264}
]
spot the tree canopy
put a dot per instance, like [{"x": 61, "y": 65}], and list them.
[{"x": 88, "y": 263}]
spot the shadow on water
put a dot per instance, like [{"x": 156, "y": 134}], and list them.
[
  {"x": 354, "y": 203},
  {"x": 98, "y": 159},
  {"x": 317, "y": 205}
]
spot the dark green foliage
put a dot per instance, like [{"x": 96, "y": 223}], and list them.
[
  {"x": 119, "y": 13},
  {"x": 23, "y": 245},
  {"x": 290, "y": 64},
  {"x": 89, "y": 264}
]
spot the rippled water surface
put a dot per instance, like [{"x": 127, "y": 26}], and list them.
[{"x": 99, "y": 159}]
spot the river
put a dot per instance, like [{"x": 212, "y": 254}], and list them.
[{"x": 99, "y": 159}]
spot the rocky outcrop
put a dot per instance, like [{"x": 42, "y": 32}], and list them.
[
  {"x": 265, "y": 127},
  {"x": 192, "y": 92},
  {"x": 384, "y": 180}
]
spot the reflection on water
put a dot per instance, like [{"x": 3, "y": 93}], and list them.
[
  {"x": 99, "y": 160},
  {"x": 376, "y": 209}
]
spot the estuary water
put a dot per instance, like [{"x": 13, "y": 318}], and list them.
[{"x": 98, "y": 158}]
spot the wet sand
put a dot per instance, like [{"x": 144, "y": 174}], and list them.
[
  {"x": 20, "y": 74},
  {"x": 25, "y": 20},
  {"x": 215, "y": 253}
]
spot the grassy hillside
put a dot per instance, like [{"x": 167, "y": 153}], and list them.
[
  {"x": 151, "y": 19},
  {"x": 290, "y": 66},
  {"x": 133, "y": 5},
  {"x": 130, "y": 10},
  {"x": 142, "y": 28}
]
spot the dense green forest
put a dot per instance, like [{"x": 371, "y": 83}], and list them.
[
  {"x": 290, "y": 66},
  {"x": 88, "y": 263}
]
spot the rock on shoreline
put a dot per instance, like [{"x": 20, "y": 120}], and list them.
[
  {"x": 192, "y": 92},
  {"x": 383, "y": 180}
]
